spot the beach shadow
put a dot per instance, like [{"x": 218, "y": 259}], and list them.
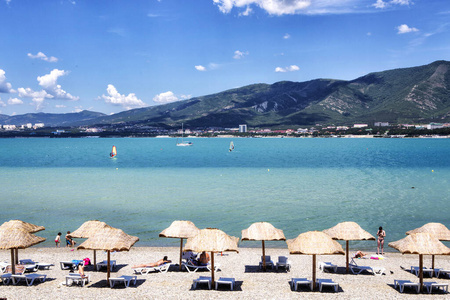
[
  {"x": 226, "y": 287},
  {"x": 35, "y": 283},
  {"x": 256, "y": 269},
  {"x": 105, "y": 284}
]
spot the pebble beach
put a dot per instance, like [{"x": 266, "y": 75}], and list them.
[{"x": 251, "y": 283}]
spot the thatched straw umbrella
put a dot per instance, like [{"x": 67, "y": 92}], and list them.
[
  {"x": 109, "y": 239},
  {"x": 31, "y": 228},
  {"x": 212, "y": 240},
  {"x": 262, "y": 231},
  {"x": 181, "y": 230},
  {"x": 420, "y": 243},
  {"x": 348, "y": 231},
  {"x": 437, "y": 229},
  {"x": 17, "y": 238},
  {"x": 88, "y": 229},
  {"x": 314, "y": 243}
]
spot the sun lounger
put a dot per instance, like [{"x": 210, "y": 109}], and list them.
[
  {"x": 126, "y": 279},
  {"x": 295, "y": 282},
  {"x": 5, "y": 278},
  {"x": 77, "y": 279},
  {"x": 401, "y": 284},
  {"x": 327, "y": 282},
  {"x": 358, "y": 269},
  {"x": 202, "y": 279},
  {"x": 104, "y": 264},
  {"x": 426, "y": 271},
  {"x": 145, "y": 270},
  {"x": 3, "y": 266},
  {"x": 430, "y": 285},
  {"x": 28, "y": 278},
  {"x": 70, "y": 265},
  {"x": 445, "y": 273},
  {"x": 225, "y": 280},
  {"x": 283, "y": 262},
  {"x": 327, "y": 265},
  {"x": 193, "y": 268},
  {"x": 38, "y": 264},
  {"x": 269, "y": 262}
]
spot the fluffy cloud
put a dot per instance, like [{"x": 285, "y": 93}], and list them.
[
  {"x": 291, "y": 68},
  {"x": 200, "y": 68},
  {"x": 239, "y": 54},
  {"x": 5, "y": 87},
  {"x": 50, "y": 85},
  {"x": 273, "y": 7},
  {"x": 42, "y": 56},
  {"x": 166, "y": 97},
  {"x": 383, "y": 4},
  {"x": 287, "y": 36},
  {"x": 406, "y": 29},
  {"x": 15, "y": 101},
  {"x": 37, "y": 97},
  {"x": 115, "y": 98}
]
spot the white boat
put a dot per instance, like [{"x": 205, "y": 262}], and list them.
[
  {"x": 231, "y": 146},
  {"x": 183, "y": 143}
]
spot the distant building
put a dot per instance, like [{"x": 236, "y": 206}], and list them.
[
  {"x": 243, "y": 128},
  {"x": 435, "y": 126},
  {"x": 360, "y": 125},
  {"x": 9, "y": 127},
  {"x": 381, "y": 124},
  {"x": 342, "y": 128},
  {"x": 38, "y": 125}
]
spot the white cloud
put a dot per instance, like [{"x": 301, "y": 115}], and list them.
[
  {"x": 42, "y": 56},
  {"x": 380, "y": 4},
  {"x": 402, "y": 2},
  {"x": 384, "y": 4},
  {"x": 291, "y": 68},
  {"x": 247, "y": 12},
  {"x": 166, "y": 97},
  {"x": 273, "y": 7},
  {"x": 14, "y": 101},
  {"x": 200, "y": 68},
  {"x": 60, "y": 106},
  {"x": 37, "y": 97},
  {"x": 50, "y": 85},
  {"x": 5, "y": 87},
  {"x": 287, "y": 36},
  {"x": 128, "y": 102},
  {"x": 406, "y": 29},
  {"x": 239, "y": 54}
]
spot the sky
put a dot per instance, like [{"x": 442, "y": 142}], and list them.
[{"x": 63, "y": 56}]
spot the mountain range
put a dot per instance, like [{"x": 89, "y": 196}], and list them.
[{"x": 408, "y": 95}]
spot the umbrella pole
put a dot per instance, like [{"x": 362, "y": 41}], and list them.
[
  {"x": 264, "y": 256},
  {"x": 432, "y": 262},
  {"x": 421, "y": 271},
  {"x": 108, "y": 266},
  {"x": 16, "y": 256},
  {"x": 212, "y": 269},
  {"x": 181, "y": 251},
  {"x": 13, "y": 263},
  {"x": 95, "y": 260},
  {"x": 314, "y": 271},
  {"x": 346, "y": 255}
]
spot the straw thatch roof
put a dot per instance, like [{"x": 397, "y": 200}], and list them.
[
  {"x": 314, "y": 242},
  {"x": 212, "y": 240},
  {"x": 420, "y": 243},
  {"x": 440, "y": 231},
  {"x": 180, "y": 229},
  {"x": 111, "y": 239},
  {"x": 17, "y": 238},
  {"x": 262, "y": 231},
  {"x": 348, "y": 231},
  {"x": 22, "y": 225},
  {"x": 88, "y": 229}
]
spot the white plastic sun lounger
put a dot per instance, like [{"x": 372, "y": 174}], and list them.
[
  {"x": 145, "y": 270},
  {"x": 269, "y": 262},
  {"x": 426, "y": 271},
  {"x": 295, "y": 282},
  {"x": 126, "y": 279},
  {"x": 327, "y": 265},
  {"x": 327, "y": 282},
  {"x": 28, "y": 278},
  {"x": 430, "y": 285},
  {"x": 193, "y": 268},
  {"x": 5, "y": 278},
  {"x": 104, "y": 264},
  {"x": 202, "y": 279},
  {"x": 401, "y": 284},
  {"x": 359, "y": 269},
  {"x": 283, "y": 262},
  {"x": 225, "y": 280},
  {"x": 3, "y": 266},
  {"x": 77, "y": 279}
]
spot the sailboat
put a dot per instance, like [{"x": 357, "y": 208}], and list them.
[
  {"x": 113, "y": 152},
  {"x": 231, "y": 146},
  {"x": 183, "y": 143}
]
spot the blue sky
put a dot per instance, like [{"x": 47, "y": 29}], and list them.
[{"x": 109, "y": 56}]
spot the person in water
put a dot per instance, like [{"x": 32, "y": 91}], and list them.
[
  {"x": 58, "y": 240},
  {"x": 381, "y": 234},
  {"x": 154, "y": 264}
]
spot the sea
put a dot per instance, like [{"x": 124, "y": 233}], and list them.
[{"x": 296, "y": 184}]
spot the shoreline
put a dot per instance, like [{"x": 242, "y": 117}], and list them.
[{"x": 251, "y": 283}]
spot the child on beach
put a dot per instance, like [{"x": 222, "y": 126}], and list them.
[
  {"x": 69, "y": 241},
  {"x": 58, "y": 240}
]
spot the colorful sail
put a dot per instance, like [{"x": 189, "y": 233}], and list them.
[
  {"x": 231, "y": 146},
  {"x": 113, "y": 152}
]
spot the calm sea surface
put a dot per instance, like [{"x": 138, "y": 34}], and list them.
[{"x": 298, "y": 185}]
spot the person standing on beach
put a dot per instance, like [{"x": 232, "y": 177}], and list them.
[
  {"x": 58, "y": 240},
  {"x": 381, "y": 235}
]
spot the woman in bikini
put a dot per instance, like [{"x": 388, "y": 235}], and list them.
[{"x": 381, "y": 235}]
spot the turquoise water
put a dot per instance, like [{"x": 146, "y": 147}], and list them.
[{"x": 296, "y": 184}]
